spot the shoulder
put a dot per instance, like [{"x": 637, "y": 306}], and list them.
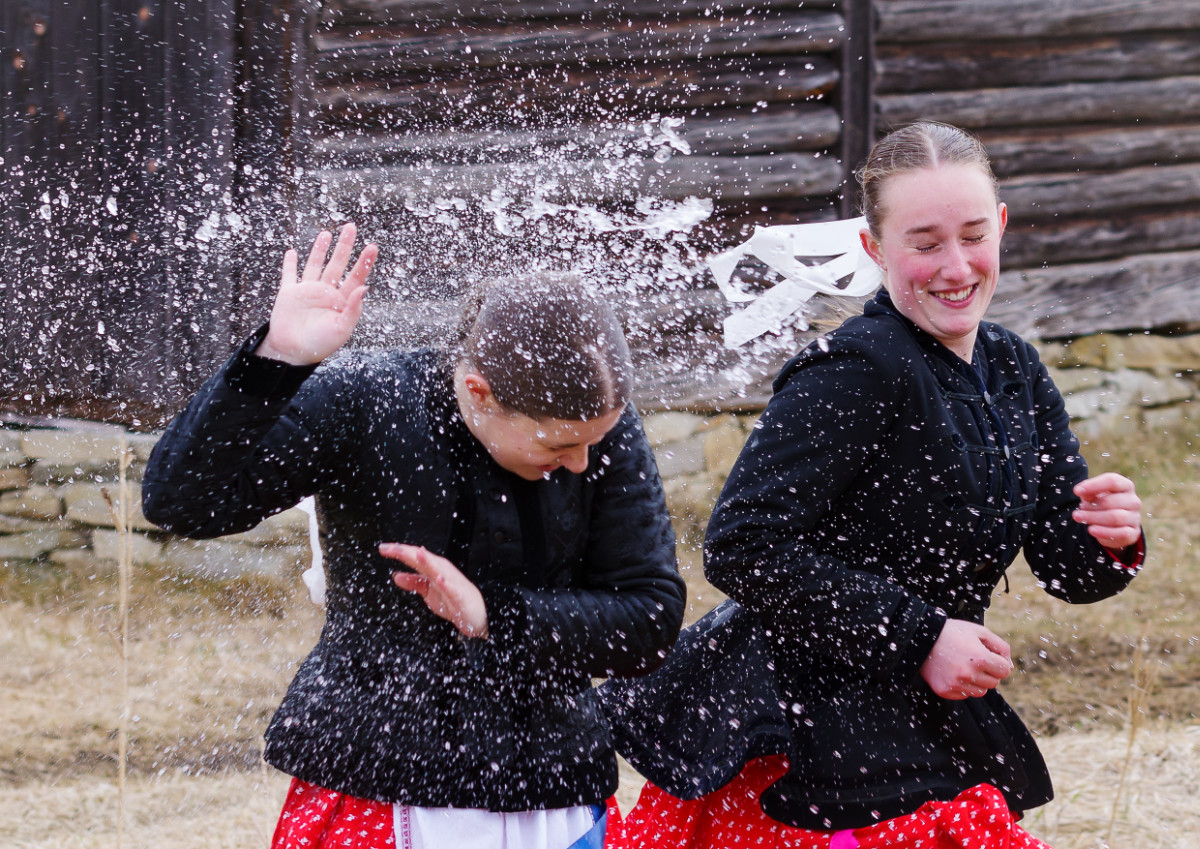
[
  {"x": 865, "y": 348},
  {"x": 368, "y": 373}
]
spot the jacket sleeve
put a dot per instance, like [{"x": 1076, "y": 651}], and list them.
[
  {"x": 814, "y": 442},
  {"x": 626, "y": 608},
  {"x": 243, "y": 448},
  {"x": 1067, "y": 561}
]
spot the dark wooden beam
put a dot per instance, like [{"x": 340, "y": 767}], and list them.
[
  {"x": 974, "y": 64},
  {"x": 1087, "y": 194},
  {"x": 490, "y": 99},
  {"x": 808, "y": 127},
  {"x": 351, "y": 12},
  {"x": 857, "y": 95},
  {"x": 718, "y": 177},
  {"x": 1171, "y": 100},
  {"x": 975, "y": 20},
  {"x": 1041, "y": 149},
  {"x": 522, "y": 45},
  {"x": 1135, "y": 293}
]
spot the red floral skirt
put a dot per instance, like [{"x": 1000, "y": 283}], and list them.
[
  {"x": 316, "y": 818},
  {"x": 731, "y": 818}
]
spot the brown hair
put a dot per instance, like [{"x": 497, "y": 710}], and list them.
[
  {"x": 924, "y": 144},
  {"x": 548, "y": 345}
]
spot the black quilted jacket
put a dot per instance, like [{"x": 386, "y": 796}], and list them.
[
  {"x": 578, "y": 573},
  {"x": 888, "y": 485}
]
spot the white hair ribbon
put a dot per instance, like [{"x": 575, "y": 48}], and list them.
[{"x": 780, "y": 249}]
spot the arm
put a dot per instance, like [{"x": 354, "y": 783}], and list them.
[
  {"x": 250, "y": 443},
  {"x": 628, "y": 612},
  {"x": 1086, "y": 539},
  {"x": 814, "y": 442}
]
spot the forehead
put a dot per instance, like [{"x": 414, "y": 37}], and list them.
[
  {"x": 571, "y": 432},
  {"x": 939, "y": 197}
]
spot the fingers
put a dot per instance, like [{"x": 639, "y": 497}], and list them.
[
  {"x": 316, "y": 256},
  {"x": 341, "y": 255},
  {"x": 420, "y": 559},
  {"x": 358, "y": 275},
  {"x": 1111, "y": 509},
  {"x": 290, "y": 261},
  {"x": 1101, "y": 485}
]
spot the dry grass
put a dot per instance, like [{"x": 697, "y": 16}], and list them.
[{"x": 208, "y": 664}]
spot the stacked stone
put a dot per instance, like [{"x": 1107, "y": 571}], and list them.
[
  {"x": 1120, "y": 383},
  {"x": 53, "y": 508}
]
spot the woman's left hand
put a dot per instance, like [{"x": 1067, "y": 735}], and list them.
[
  {"x": 1111, "y": 510},
  {"x": 444, "y": 589}
]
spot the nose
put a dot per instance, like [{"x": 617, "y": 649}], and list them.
[
  {"x": 575, "y": 459},
  {"x": 956, "y": 266}
]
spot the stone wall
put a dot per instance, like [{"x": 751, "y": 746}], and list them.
[{"x": 53, "y": 477}]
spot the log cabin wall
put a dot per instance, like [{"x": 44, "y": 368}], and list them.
[
  {"x": 431, "y": 123},
  {"x": 1091, "y": 111}
]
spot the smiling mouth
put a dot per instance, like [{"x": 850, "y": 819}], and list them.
[{"x": 957, "y": 295}]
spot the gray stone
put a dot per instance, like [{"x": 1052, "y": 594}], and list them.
[
  {"x": 142, "y": 444},
  {"x": 224, "y": 560},
  {"x": 681, "y": 458},
  {"x": 722, "y": 445},
  {"x": 35, "y": 502},
  {"x": 1171, "y": 418},
  {"x": 83, "y": 448},
  {"x": 13, "y": 477},
  {"x": 86, "y": 504},
  {"x": 288, "y": 527},
  {"x": 1143, "y": 389},
  {"x": 1078, "y": 379},
  {"x": 1088, "y": 351},
  {"x": 12, "y": 456},
  {"x": 78, "y": 557},
  {"x": 143, "y": 551},
  {"x": 31, "y": 545},
  {"x": 14, "y": 524},
  {"x": 665, "y": 428}
]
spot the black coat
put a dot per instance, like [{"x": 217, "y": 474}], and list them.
[
  {"x": 888, "y": 485},
  {"x": 577, "y": 571}
]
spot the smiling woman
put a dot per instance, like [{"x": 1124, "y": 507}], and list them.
[{"x": 902, "y": 464}]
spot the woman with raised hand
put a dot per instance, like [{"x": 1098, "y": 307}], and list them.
[
  {"x": 494, "y": 534},
  {"x": 902, "y": 464}
]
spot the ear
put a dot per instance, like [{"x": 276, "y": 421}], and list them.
[
  {"x": 479, "y": 391},
  {"x": 1002, "y": 212},
  {"x": 871, "y": 245}
]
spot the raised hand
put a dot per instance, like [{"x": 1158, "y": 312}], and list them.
[
  {"x": 315, "y": 315},
  {"x": 966, "y": 661},
  {"x": 1111, "y": 509},
  {"x": 445, "y": 590}
]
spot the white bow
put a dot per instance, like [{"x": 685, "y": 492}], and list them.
[{"x": 780, "y": 249}]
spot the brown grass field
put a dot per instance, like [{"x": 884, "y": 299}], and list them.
[{"x": 1111, "y": 688}]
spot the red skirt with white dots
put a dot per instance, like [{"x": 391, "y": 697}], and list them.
[{"x": 731, "y": 818}]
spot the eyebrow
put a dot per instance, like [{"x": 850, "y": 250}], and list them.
[{"x": 919, "y": 231}]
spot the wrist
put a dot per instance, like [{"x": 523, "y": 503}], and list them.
[{"x": 267, "y": 349}]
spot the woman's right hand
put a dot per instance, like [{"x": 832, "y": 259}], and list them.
[
  {"x": 966, "y": 661},
  {"x": 315, "y": 315}
]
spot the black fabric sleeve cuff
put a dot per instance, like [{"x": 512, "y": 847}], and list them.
[
  {"x": 263, "y": 377},
  {"x": 1133, "y": 557},
  {"x": 920, "y": 644}
]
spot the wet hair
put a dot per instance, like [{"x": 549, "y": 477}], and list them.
[
  {"x": 924, "y": 144},
  {"x": 549, "y": 346}
]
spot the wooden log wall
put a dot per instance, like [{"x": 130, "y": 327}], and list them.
[
  {"x": 1091, "y": 111},
  {"x": 420, "y": 103}
]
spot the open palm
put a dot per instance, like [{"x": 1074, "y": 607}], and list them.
[{"x": 315, "y": 314}]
